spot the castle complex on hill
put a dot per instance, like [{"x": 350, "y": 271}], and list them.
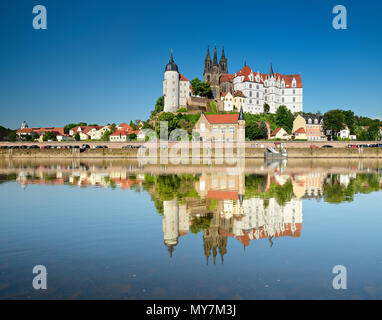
[{"x": 256, "y": 88}]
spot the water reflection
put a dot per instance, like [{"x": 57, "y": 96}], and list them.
[{"x": 220, "y": 204}]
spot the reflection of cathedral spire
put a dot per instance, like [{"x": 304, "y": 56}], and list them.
[
  {"x": 212, "y": 242},
  {"x": 170, "y": 250}
]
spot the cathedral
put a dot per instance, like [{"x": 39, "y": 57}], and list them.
[{"x": 214, "y": 72}]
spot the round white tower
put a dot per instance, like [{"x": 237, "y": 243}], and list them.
[{"x": 171, "y": 86}]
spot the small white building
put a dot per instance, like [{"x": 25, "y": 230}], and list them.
[
  {"x": 344, "y": 133},
  {"x": 227, "y": 99}
]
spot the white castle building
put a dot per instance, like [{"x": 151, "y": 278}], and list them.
[
  {"x": 273, "y": 89},
  {"x": 256, "y": 88}
]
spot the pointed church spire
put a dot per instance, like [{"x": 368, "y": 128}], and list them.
[
  {"x": 207, "y": 61},
  {"x": 223, "y": 63},
  {"x": 208, "y": 53},
  {"x": 271, "y": 72},
  {"x": 245, "y": 61},
  {"x": 172, "y": 57},
  {"x": 215, "y": 63}
]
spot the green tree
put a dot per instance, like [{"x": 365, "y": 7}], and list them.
[
  {"x": 28, "y": 137},
  {"x": 132, "y": 136},
  {"x": 202, "y": 89},
  {"x": 266, "y": 108},
  {"x": 334, "y": 122},
  {"x": 49, "y": 135},
  {"x": 252, "y": 131},
  {"x": 373, "y": 131},
  {"x": 284, "y": 118},
  {"x": 264, "y": 130},
  {"x": 12, "y": 136},
  {"x": 350, "y": 120},
  {"x": 361, "y": 134},
  {"x": 159, "y": 105},
  {"x": 77, "y": 137}
]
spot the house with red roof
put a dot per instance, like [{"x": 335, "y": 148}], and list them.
[
  {"x": 122, "y": 133},
  {"x": 280, "y": 133},
  {"x": 309, "y": 128},
  {"x": 221, "y": 127}
]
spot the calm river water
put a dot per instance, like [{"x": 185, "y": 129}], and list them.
[{"x": 120, "y": 230}]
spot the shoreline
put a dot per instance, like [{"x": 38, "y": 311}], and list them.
[{"x": 250, "y": 153}]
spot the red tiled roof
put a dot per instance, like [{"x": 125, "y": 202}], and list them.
[
  {"x": 120, "y": 133},
  {"x": 238, "y": 93},
  {"x": 276, "y": 131},
  {"x": 183, "y": 78},
  {"x": 288, "y": 78},
  {"x": 227, "y": 77},
  {"x": 300, "y": 130},
  {"x": 224, "y": 94},
  {"x": 222, "y": 118}
]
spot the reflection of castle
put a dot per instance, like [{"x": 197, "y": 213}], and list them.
[{"x": 231, "y": 215}]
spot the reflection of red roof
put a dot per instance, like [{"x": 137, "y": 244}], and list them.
[
  {"x": 222, "y": 195},
  {"x": 224, "y": 94},
  {"x": 245, "y": 239},
  {"x": 222, "y": 118}
]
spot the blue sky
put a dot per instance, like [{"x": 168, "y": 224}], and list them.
[{"x": 103, "y": 61}]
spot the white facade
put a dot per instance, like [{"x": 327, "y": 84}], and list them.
[
  {"x": 184, "y": 91},
  {"x": 227, "y": 101},
  {"x": 344, "y": 133},
  {"x": 273, "y": 89},
  {"x": 171, "y": 91}
]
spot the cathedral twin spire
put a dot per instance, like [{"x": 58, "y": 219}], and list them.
[{"x": 208, "y": 63}]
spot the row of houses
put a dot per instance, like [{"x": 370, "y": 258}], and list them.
[{"x": 121, "y": 132}]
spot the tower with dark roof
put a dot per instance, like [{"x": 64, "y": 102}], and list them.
[{"x": 171, "y": 86}]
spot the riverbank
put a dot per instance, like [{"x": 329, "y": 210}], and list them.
[{"x": 250, "y": 153}]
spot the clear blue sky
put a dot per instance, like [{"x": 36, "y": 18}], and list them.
[{"x": 103, "y": 61}]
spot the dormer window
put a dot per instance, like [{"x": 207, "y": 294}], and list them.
[
  {"x": 315, "y": 121},
  {"x": 310, "y": 121}
]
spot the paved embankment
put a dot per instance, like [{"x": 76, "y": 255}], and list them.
[{"x": 132, "y": 153}]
